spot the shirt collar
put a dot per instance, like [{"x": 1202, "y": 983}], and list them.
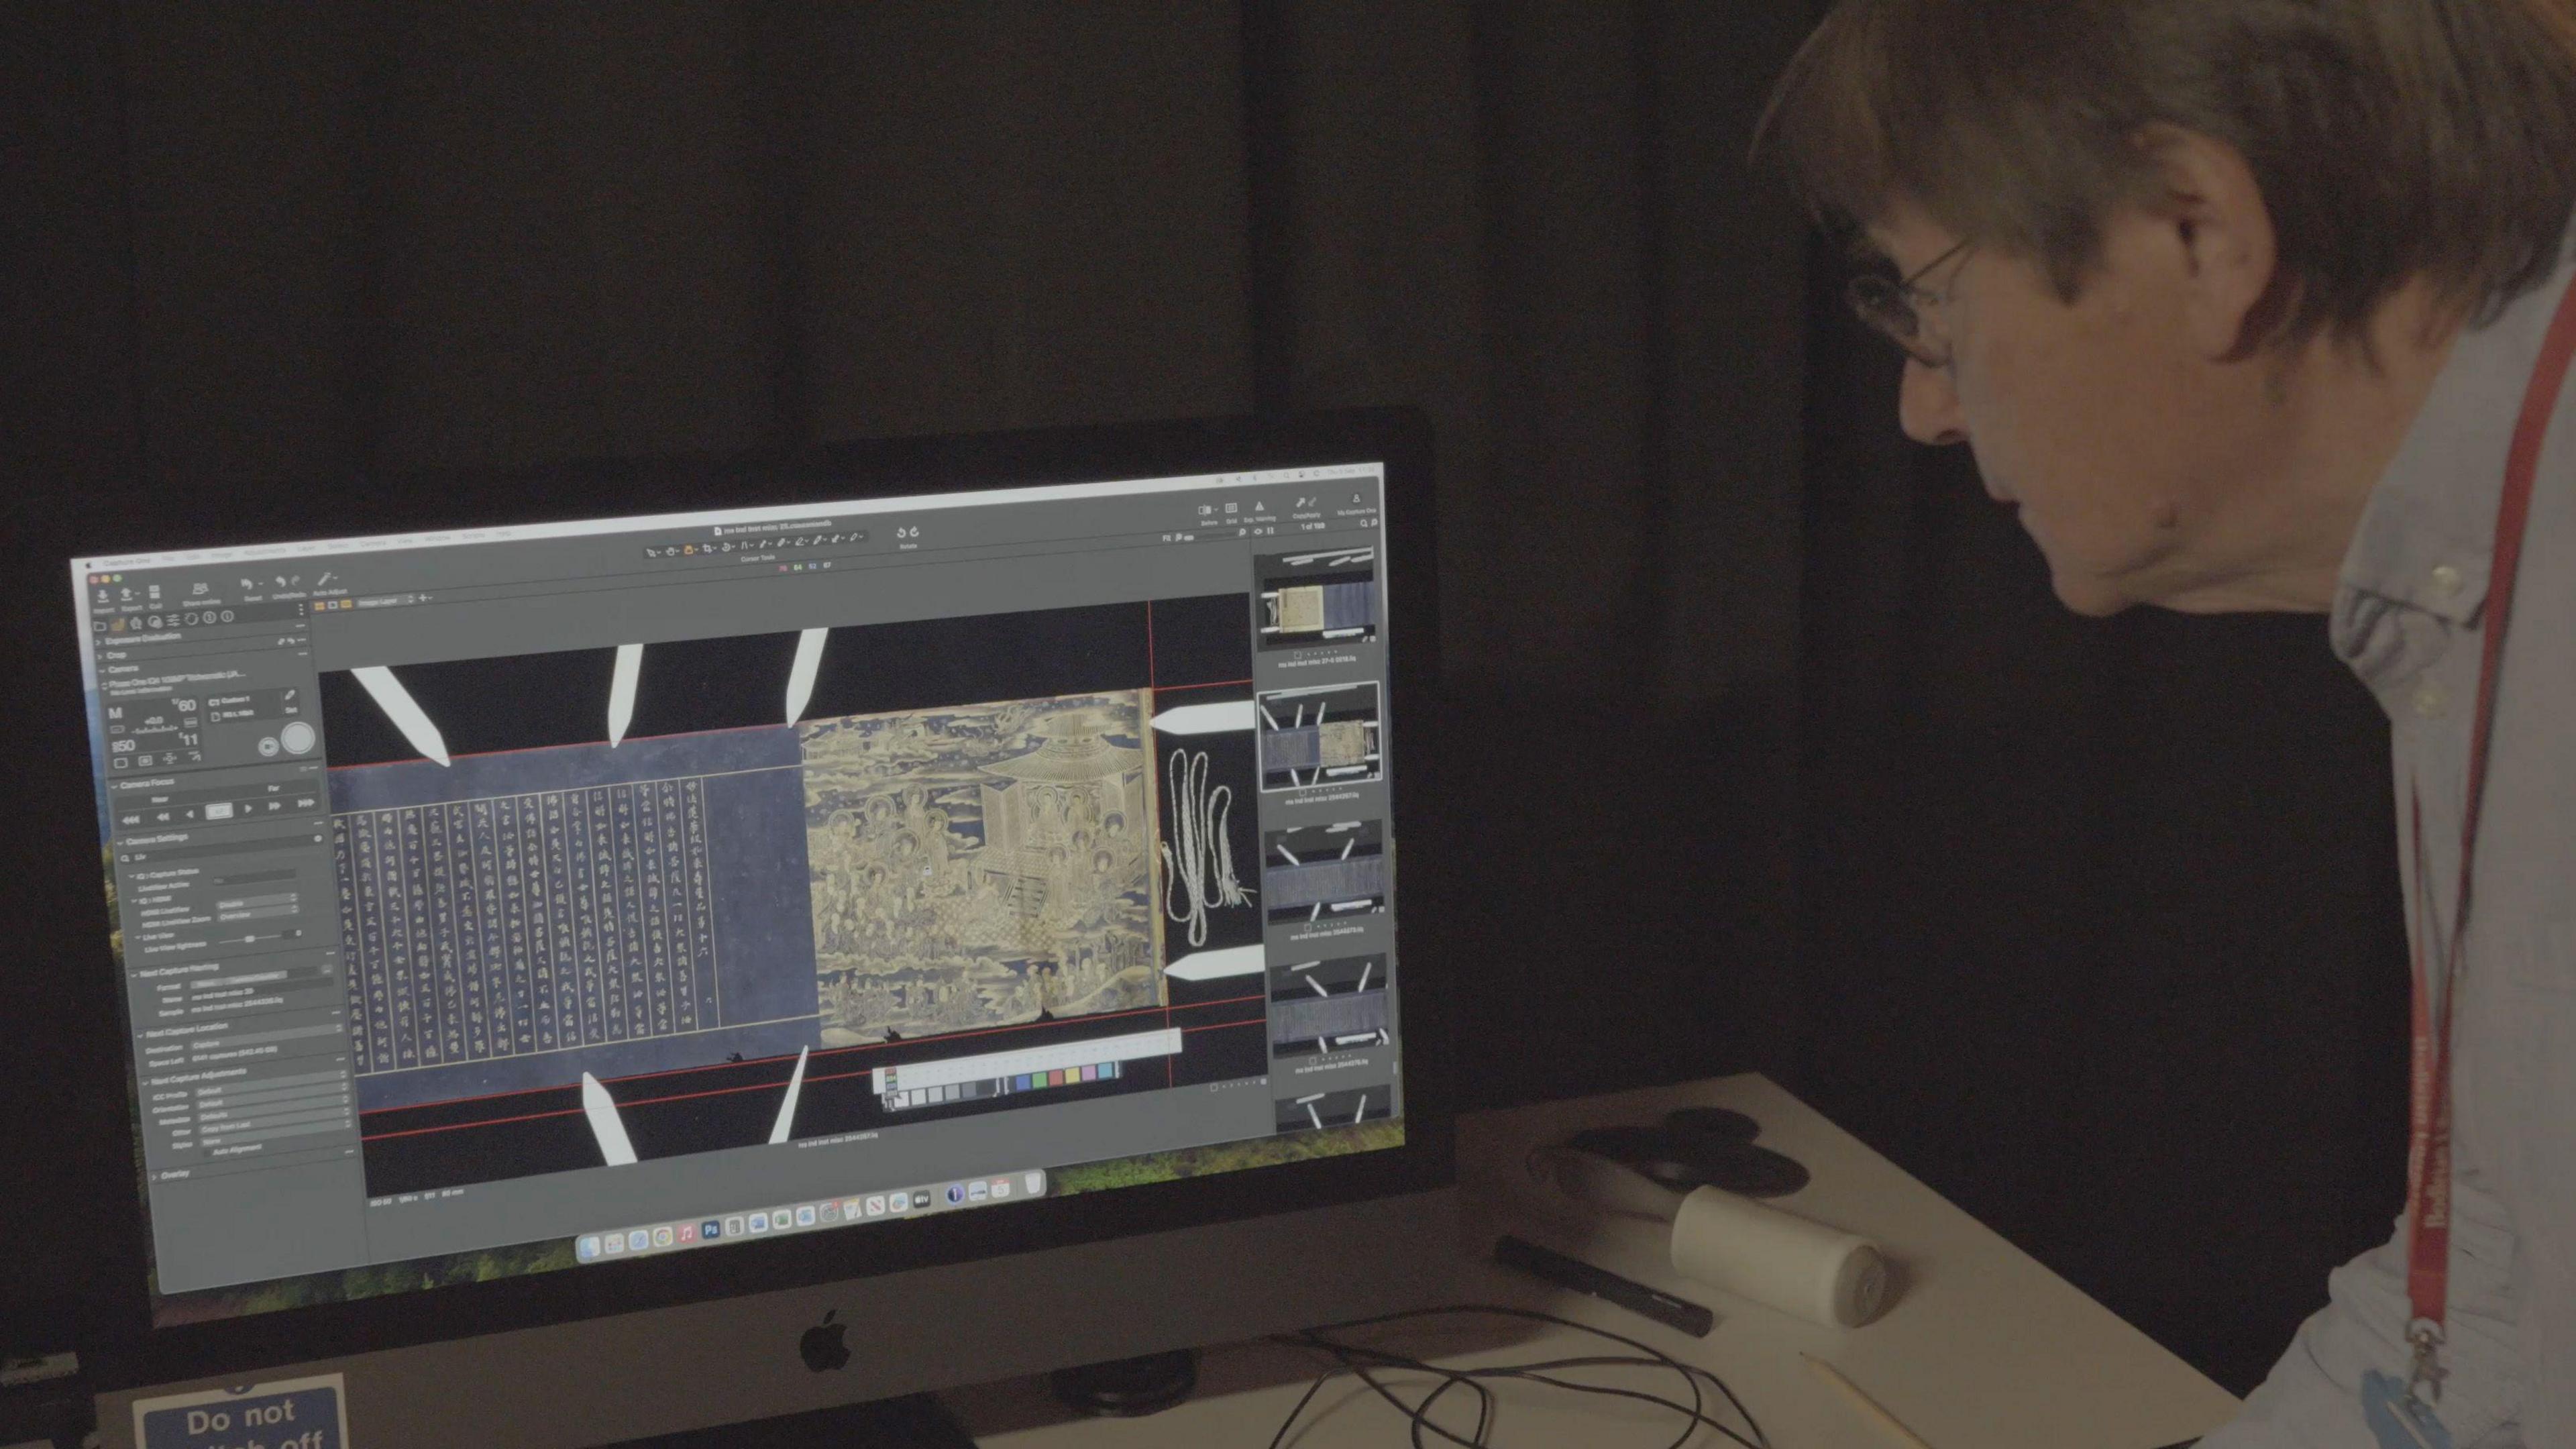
[{"x": 2427, "y": 534}]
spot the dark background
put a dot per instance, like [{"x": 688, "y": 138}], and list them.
[{"x": 2091, "y": 925}]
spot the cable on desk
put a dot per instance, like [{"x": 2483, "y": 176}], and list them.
[{"x": 1358, "y": 1359}]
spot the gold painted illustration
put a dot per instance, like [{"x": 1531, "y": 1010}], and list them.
[{"x": 981, "y": 865}]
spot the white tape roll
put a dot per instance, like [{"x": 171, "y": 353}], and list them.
[{"x": 1778, "y": 1259}]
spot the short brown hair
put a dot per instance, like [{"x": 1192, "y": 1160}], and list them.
[{"x": 2392, "y": 138}]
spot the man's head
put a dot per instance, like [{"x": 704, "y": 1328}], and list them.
[{"x": 2187, "y": 267}]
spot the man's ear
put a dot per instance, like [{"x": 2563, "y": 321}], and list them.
[{"x": 2219, "y": 230}]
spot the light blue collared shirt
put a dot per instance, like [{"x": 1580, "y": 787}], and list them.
[{"x": 2409, "y": 619}]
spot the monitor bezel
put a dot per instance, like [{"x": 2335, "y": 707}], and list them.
[{"x": 119, "y": 1342}]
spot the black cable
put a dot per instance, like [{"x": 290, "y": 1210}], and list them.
[
  {"x": 1531, "y": 1373},
  {"x": 1416, "y": 1414},
  {"x": 1654, "y": 1357},
  {"x": 1358, "y": 1359},
  {"x": 1536, "y": 1372},
  {"x": 1692, "y": 1413},
  {"x": 1419, "y": 1414},
  {"x": 1299, "y": 1409}
]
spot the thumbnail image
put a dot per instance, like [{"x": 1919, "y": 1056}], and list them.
[
  {"x": 1318, "y": 871},
  {"x": 1318, "y": 1007},
  {"x": 1302, "y": 980},
  {"x": 1326, "y": 735},
  {"x": 1329, "y": 1024},
  {"x": 980, "y": 865},
  {"x": 1328, "y": 1006},
  {"x": 1328, "y": 596},
  {"x": 1316, "y": 1111}
]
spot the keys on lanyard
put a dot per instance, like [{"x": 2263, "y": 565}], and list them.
[{"x": 2427, "y": 1371}]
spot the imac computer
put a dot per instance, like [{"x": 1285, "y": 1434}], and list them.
[{"x": 629, "y": 949}]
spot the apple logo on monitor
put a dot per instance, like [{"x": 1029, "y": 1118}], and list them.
[{"x": 822, "y": 1345}]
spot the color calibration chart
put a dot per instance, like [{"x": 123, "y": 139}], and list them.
[{"x": 1001, "y": 1074}]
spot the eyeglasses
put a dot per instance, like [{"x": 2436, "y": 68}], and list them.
[{"x": 1894, "y": 308}]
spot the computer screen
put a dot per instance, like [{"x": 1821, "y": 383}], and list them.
[{"x": 551, "y": 896}]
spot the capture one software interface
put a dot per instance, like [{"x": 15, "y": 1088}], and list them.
[{"x": 540, "y": 897}]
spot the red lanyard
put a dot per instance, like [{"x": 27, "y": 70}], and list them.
[{"x": 2428, "y": 1157}]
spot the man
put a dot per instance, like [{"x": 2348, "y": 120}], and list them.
[{"x": 2244, "y": 305}]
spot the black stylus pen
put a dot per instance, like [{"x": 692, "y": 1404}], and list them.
[{"x": 1603, "y": 1284}]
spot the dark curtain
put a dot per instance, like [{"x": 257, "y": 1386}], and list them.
[
  {"x": 370, "y": 241},
  {"x": 266, "y": 260},
  {"x": 2101, "y": 931}
]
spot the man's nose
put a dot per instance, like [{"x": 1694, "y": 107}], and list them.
[{"x": 1927, "y": 406}]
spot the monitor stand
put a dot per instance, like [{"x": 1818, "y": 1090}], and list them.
[
  {"x": 1128, "y": 1388},
  {"x": 918, "y": 1422}
]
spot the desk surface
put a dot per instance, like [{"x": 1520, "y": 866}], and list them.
[{"x": 1984, "y": 1347}]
